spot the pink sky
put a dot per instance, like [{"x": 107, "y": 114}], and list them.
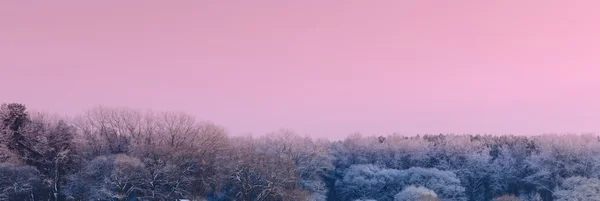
[{"x": 320, "y": 67}]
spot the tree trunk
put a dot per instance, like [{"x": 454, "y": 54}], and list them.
[{"x": 56, "y": 188}]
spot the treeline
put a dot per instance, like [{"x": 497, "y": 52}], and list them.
[{"x": 125, "y": 154}]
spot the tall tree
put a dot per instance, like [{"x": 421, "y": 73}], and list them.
[
  {"x": 59, "y": 155},
  {"x": 14, "y": 117}
]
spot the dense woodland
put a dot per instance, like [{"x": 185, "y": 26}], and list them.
[{"x": 124, "y": 154}]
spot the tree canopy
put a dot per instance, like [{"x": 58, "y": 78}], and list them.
[{"x": 126, "y": 154}]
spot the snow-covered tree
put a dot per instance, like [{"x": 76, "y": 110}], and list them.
[
  {"x": 578, "y": 189},
  {"x": 370, "y": 182},
  {"x": 445, "y": 183},
  {"x": 113, "y": 177},
  {"x": 560, "y": 157},
  {"x": 412, "y": 193},
  {"x": 19, "y": 182}
]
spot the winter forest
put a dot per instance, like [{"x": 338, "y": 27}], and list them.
[{"x": 126, "y": 154}]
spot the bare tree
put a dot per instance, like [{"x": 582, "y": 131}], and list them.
[
  {"x": 113, "y": 177},
  {"x": 264, "y": 172},
  {"x": 18, "y": 182}
]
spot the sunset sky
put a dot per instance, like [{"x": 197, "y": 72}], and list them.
[{"x": 324, "y": 68}]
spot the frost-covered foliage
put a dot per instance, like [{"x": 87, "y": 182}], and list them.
[
  {"x": 18, "y": 182},
  {"x": 370, "y": 181},
  {"x": 578, "y": 189},
  {"x": 412, "y": 193},
  {"x": 444, "y": 183},
  {"x": 126, "y": 154},
  {"x": 114, "y": 177},
  {"x": 487, "y": 166}
]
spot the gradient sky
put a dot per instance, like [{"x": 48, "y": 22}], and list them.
[{"x": 320, "y": 67}]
